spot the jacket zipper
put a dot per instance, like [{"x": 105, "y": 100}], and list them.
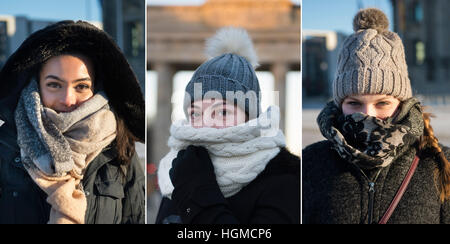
[
  {"x": 371, "y": 194},
  {"x": 371, "y": 198}
]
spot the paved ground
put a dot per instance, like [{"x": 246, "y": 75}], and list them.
[
  {"x": 440, "y": 124},
  {"x": 153, "y": 197},
  {"x": 153, "y": 202}
]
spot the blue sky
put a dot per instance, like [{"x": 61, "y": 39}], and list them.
[
  {"x": 71, "y": 9},
  {"x": 337, "y": 15},
  {"x": 53, "y": 9},
  {"x": 184, "y": 2}
]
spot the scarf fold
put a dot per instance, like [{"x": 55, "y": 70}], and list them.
[
  {"x": 239, "y": 153},
  {"x": 56, "y": 148},
  {"x": 367, "y": 141}
]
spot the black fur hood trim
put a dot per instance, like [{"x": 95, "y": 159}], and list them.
[{"x": 111, "y": 67}]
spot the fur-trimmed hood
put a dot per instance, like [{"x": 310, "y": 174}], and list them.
[{"x": 112, "y": 69}]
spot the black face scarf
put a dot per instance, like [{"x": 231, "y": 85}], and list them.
[{"x": 367, "y": 141}]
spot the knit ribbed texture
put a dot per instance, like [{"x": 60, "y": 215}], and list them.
[
  {"x": 230, "y": 71},
  {"x": 226, "y": 73},
  {"x": 371, "y": 61},
  {"x": 239, "y": 153}
]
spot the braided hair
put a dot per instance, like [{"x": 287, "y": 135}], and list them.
[{"x": 429, "y": 144}]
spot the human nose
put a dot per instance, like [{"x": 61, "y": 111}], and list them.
[
  {"x": 68, "y": 98},
  {"x": 208, "y": 119},
  {"x": 369, "y": 110}
]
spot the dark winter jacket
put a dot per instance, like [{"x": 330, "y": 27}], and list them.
[
  {"x": 111, "y": 196},
  {"x": 272, "y": 197},
  {"x": 335, "y": 192}
]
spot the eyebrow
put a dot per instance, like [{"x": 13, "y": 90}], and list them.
[
  {"x": 194, "y": 106},
  {"x": 62, "y": 80},
  {"x": 219, "y": 104},
  {"x": 213, "y": 106},
  {"x": 380, "y": 99}
]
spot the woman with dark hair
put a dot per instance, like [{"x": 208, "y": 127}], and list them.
[
  {"x": 72, "y": 110},
  {"x": 381, "y": 162}
]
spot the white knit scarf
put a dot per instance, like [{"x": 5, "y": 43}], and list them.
[{"x": 239, "y": 153}]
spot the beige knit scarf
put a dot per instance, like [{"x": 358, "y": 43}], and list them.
[{"x": 56, "y": 148}]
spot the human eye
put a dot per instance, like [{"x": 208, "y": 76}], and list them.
[
  {"x": 383, "y": 103},
  {"x": 53, "y": 85},
  {"x": 194, "y": 114},
  {"x": 354, "y": 103},
  {"x": 82, "y": 87},
  {"x": 223, "y": 112}
]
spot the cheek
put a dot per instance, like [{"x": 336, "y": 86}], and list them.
[
  {"x": 388, "y": 112},
  {"x": 196, "y": 122},
  {"x": 240, "y": 117},
  {"x": 48, "y": 98},
  {"x": 236, "y": 118},
  {"x": 346, "y": 109},
  {"x": 230, "y": 120},
  {"x": 83, "y": 97}
]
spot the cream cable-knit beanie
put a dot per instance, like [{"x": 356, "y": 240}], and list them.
[{"x": 372, "y": 60}]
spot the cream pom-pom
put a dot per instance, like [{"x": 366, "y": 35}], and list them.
[
  {"x": 371, "y": 18},
  {"x": 232, "y": 40}
]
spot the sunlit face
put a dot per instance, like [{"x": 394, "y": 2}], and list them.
[
  {"x": 66, "y": 82},
  {"x": 380, "y": 106},
  {"x": 215, "y": 113}
]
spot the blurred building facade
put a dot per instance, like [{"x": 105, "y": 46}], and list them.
[
  {"x": 14, "y": 30},
  {"x": 424, "y": 28},
  {"x": 320, "y": 54},
  {"x": 124, "y": 21},
  {"x": 4, "y": 42},
  {"x": 176, "y": 37}
]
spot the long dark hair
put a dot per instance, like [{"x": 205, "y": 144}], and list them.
[{"x": 125, "y": 143}]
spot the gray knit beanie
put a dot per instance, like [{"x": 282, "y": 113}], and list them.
[
  {"x": 229, "y": 73},
  {"x": 372, "y": 60}
]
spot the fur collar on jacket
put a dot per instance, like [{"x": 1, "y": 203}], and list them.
[{"x": 112, "y": 69}]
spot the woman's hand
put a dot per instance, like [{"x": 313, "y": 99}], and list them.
[
  {"x": 192, "y": 166},
  {"x": 196, "y": 192}
]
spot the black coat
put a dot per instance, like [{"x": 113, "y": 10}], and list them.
[
  {"x": 272, "y": 197},
  {"x": 335, "y": 192},
  {"x": 111, "y": 197}
]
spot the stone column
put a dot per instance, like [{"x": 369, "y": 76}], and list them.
[
  {"x": 279, "y": 71},
  {"x": 161, "y": 125}
]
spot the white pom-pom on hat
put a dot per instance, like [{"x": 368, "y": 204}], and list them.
[{"x": 232, "y": 40}]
